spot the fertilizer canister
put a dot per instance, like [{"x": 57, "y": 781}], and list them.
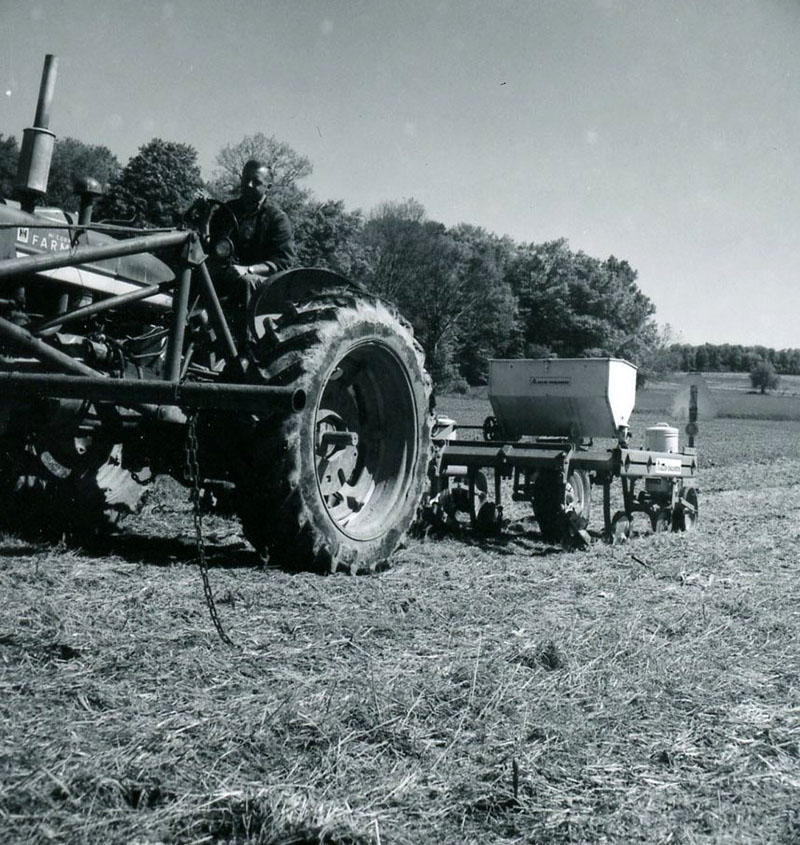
[{"x": 661, "y": 438}]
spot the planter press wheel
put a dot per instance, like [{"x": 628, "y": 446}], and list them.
[
  {"x": 460, "y": 498},
  {"x": 337, "y": 484},
  {"x": 620, "y": 529},
  {"x": 686, "y": 511},
  {"x": 557, "y": 507},
  {"x": 493, "y": 431},
  {"x": 661, "y": 520}
]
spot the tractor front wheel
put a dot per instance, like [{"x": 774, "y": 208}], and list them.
[{"x": 47, "y": 492}]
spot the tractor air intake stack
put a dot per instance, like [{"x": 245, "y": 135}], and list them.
[{"x": 37, "y": 143}]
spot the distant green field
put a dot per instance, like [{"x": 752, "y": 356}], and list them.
[{"x": 733, "y": 396}]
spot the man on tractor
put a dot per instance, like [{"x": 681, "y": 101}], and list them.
[{"x": 263, "y": 241}]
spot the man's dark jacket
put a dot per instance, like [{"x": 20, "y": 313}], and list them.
[{"x": 264, "y": 236}]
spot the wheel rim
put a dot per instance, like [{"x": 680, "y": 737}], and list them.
[
  {"x": 576, "y": 494},
  {"x": 365, "y": 440},
  {"x": 689, "y": 517}
]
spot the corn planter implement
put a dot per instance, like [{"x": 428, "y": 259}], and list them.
[{"x": 547, "y": 415}]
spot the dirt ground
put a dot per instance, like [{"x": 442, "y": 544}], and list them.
[{"x": 480, "y": 690}]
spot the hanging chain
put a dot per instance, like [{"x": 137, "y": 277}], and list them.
[{"x": 192, "y": 470}]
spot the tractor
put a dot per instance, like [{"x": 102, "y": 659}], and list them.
[{"x": 308, "y": 406}]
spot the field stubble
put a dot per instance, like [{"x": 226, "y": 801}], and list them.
[{"x": 480, "y": 690}]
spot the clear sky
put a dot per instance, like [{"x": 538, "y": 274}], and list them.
[{"x": 662, "y": 132}]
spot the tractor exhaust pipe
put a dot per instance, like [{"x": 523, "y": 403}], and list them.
[{"x": 36, "y": 154}]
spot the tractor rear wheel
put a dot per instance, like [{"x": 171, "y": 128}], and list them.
[
  {"x": 556, "y": 506},
  {"x": 337, "y": 484}
]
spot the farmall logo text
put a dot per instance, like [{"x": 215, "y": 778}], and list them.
[{"x": 42, "y": 239}]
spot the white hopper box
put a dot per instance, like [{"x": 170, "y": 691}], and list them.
[{"x": 575, "y": 398}]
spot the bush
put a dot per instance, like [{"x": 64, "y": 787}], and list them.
[
  {"x": 458, "y": 385},
  {"x": 763, "y": 376}
]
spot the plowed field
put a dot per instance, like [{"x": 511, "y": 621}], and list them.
[{"x": 485, "y": 690}]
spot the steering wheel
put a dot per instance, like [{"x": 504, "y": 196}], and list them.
[{"x": 217, "y": 226}]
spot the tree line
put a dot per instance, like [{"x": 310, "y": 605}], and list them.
[
  {"x": 732, "y": 358},
  {"x": 469, "y": 294}
]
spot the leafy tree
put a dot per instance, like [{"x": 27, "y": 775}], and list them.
[
  {"x": 436, "y": 300},
  {"x": 701, "y": 359},
  {"x": 9, "y": 156},
  {"x": 660, "y": 358},
  {"x": 735, "y": 358},
  {"x": 794, "y": 361},
  {"x": 749, "y": 359},
  {"x": 571, "y": 302},
  {"x": 286, "y": 167},
  {"x": 490, "y": 329},
  {"x": 155, "y": 186},
  {"x": 763, "y": 377},
  {"x": 688, "y": 357},
  {"x": 389, "y": 239},
  {"x": 419, "y": 265},
  {"x": 73, "y": 159},
  {"x": 328, "y": 236}
]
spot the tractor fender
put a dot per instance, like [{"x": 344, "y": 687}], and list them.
[
  {"x": 294, "y": 286},
  {"x": 297, "y": 284}
]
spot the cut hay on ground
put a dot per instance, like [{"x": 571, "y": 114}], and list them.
[{"x": 485, "y": 691}]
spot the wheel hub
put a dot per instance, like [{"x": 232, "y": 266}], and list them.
[{"x": 364, "y": 439}]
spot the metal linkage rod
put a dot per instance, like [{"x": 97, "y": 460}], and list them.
[
  {"x": 52, "y": 326},
  {"x": 87, "y": 227},
  {"x": 215, "y": 312},
  {"x": 250, "y": 398},
  {"x": 26, "y": 342},
  {"x": 180, "y": 306}
]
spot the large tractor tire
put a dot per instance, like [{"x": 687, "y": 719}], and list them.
[
  {"x": 558, "y": 507},
  {"x": 336, "y": 485}
]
